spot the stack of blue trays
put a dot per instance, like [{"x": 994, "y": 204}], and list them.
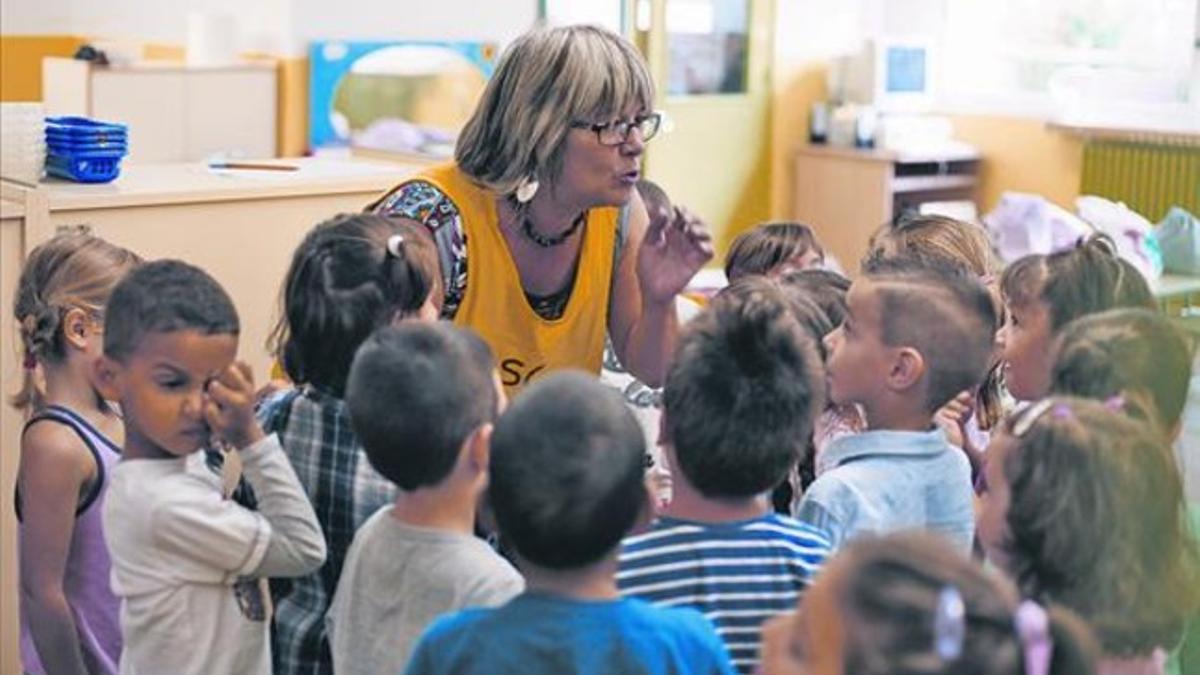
[{"x": 85, "y": 150}]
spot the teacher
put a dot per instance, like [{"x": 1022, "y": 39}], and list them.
[{"x": 543, "y": 240}]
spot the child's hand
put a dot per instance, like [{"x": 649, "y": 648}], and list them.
[
  {"x": 953, "y": 416},
  {"x": 229, "y": 410}
]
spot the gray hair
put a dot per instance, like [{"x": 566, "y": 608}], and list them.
[{"x": 548, "y": 78}]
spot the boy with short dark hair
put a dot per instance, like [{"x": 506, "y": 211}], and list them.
[
  {"x": 566, "y": 486},
  {"x": 422, "y": 398},
  {"x": 188, "y": 562},
  {"x": 741, "y": 398},
  {"x": 916, "y": 333}
]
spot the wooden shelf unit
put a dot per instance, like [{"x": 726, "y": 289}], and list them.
[{"x": 846, "y": 193}]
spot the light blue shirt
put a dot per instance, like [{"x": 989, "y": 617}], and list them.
[{"x": 878, "y": 482}]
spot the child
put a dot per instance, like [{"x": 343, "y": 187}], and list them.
[
  {"x": 566, "y": 486},
  {"x": 350, "y": 275},
  {"x": 965, "y": 245},
  {"x": 916, "y": 333},
  {"x": 1134, "y": 352},
  {"x": 69, "y": 445},
  {"x": 773, "y": 249},
  {"x": 1085, "y": 505},
  {"x": 828, "y": 291},
  {"x": 1125, "y": 351},
  {"x": 1042, "y": 293},
  {"x": 422, "y": 399},
  {"x": 908, "y": 604},
  {"x": 186, "y": 559},
  {"x": 738, "y": 410}
]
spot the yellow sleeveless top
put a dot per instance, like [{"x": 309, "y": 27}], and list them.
[{"x": 525, "y": 344}]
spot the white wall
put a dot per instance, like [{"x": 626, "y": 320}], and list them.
[
  {"x": 496, "y": 21},
  {"x": 278, "y": 26}
]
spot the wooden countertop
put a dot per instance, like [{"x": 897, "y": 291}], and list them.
[
  {"x": 948, "y": 152},
  {"x": 153, "y": 184},
  {"x": 11, "y": 210}
]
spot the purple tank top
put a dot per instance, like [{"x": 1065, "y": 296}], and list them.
[{"x": 86, "y": 577}]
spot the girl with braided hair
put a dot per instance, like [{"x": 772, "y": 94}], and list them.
[{"x": 70, "y": 441}]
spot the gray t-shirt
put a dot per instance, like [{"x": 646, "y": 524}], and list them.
[{"x": 399, "y": 578}]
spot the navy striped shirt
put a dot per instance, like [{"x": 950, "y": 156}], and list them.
[{"x": 738, "y": 574}]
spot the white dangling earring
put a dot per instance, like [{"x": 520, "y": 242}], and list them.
[{"x": 526, "y": 190}]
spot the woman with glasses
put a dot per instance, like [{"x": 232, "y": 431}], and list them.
[{"x": 544, "y": 243}]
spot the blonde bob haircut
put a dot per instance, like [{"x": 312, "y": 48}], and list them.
[{"x": 547, "y": 79}]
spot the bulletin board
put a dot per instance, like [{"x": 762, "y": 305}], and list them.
[{"x": 404, "y": 96}]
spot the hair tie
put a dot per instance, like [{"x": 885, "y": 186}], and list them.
[
  {"x": 393, "y": 245},
  {"x": 1115, "y": 403},
  {"x": 1026, "y": 418},
  {"x": 30, "y": 361},
  {"x": 1033, "y": 629},
  {"x": 949, "y": 625}
]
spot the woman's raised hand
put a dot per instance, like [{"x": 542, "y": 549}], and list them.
[{"x": 676, "y": 246}]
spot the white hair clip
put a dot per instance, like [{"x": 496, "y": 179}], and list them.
[{"x": 393, "y": 244}]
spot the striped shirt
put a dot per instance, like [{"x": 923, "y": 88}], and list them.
[{"x": 738, "y": 574}]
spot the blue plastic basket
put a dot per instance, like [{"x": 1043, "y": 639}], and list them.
[
  {"x": 82, "y": 128},
  {"x": 85, "y": 167},
  {"x": 67, "y": 146},
  {"x": 85, "y": 150}
]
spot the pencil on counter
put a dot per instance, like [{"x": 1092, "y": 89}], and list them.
[{"x": 252, "y": 166}]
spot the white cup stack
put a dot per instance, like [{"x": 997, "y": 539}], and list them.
[{"x": 22, "y": 142}]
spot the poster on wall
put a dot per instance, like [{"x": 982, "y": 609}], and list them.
[{"x": 406, "y": 97}]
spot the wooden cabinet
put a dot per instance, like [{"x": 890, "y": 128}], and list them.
[
  {"x": 845, "y": 193},
  {"x": 175, "y": 113}
]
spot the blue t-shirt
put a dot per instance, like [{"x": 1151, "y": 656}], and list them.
[{"x": 539, "y": 633}]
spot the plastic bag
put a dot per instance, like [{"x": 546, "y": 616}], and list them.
[
  {"x": 1179, "y": 236},
  {"x": 1133, "y": 234},
  {"x": 1023, "y": 223}
]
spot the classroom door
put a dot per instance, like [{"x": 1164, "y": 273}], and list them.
[{"x": 710, "y": 60}]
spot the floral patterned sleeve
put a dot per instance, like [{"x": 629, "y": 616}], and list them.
[{"x": 423, "y": 202}]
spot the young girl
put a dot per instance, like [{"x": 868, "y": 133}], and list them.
[
  {"x": 1138, "y": 352},
  {"x": 819, "y": 298},
  {"x": 1126, "y": 351},
  {"x": 964, "y": 245},
  {"x": 1042, "y": 293},
  {"x": 773, "y": 249},
  {"x": 350, "y": 275},
  {"x": 1085, "y": 506},
  {"x": 908, "y": 604},
  {"x": 71, "y": 440}
]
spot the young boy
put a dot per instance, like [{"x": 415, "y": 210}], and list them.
[
  {"x": 916, "y": 333},
  {"x": 187, "y": 562},
  {"x": 422, "y": 400},
  {"x": 566, "y": 485},
  {"x": 739, "y": 405}
]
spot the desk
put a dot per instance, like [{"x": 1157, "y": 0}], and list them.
[
  {"x": 240, "y": 226},
  {"x": 1179, "y": 298}
]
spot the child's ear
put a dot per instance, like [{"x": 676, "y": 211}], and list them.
[
  {"x": 479, "y": 448},
  {"x": 76, "y": 326},
  {"x": 649, "y": 510},
  {"x": 108, "y": 378},
  {"x": 908, "y": 368}
]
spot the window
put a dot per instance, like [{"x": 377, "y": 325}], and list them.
[
  {"x": 1084, "y": 61},
  {"x": 706, "y": 43}
]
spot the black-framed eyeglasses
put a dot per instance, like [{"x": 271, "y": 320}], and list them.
[{"x": 617, "y": 132}]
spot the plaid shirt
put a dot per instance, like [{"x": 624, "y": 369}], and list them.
[{"x": 314, "y": 429}]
